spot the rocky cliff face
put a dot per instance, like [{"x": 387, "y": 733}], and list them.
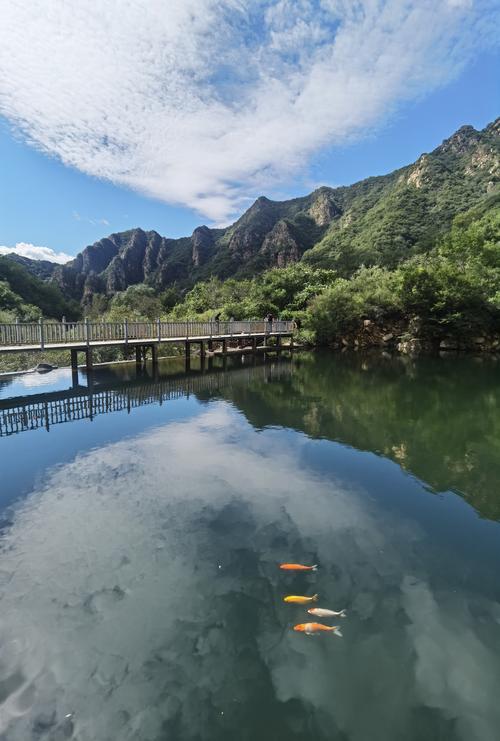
[
  {"x": 116, "y": 262},
  {"x": 375, "y": 221},
  {"x": 203, "y": 244},
  {"x": 280, "y": 247}
]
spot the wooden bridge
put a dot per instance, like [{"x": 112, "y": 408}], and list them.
[
  {"x": 34, "y": 411},
  {"x": 86, "y": 336}
]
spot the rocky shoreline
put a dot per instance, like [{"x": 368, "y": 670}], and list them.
[{"x": 412, "y": 337}]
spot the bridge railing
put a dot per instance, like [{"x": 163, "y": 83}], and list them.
[{"x": 40, "y": 334}]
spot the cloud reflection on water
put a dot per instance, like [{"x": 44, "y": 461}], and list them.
[{"x": 114, "y": 607}]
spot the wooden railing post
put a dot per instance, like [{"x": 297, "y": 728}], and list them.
[
  {"x": 159, "y": 330},
  {"x": 42, "y": 339},
  {"x": 125, "y": 331},
  {"x": 87, "y": 336}
]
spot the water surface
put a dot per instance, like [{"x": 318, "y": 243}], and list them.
[{"x": 143, "y": 520}]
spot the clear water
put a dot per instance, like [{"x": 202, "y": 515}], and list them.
[{"x": 140, "y": 595}]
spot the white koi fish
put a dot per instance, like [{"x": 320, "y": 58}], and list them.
[{"x": 323, "y": 613}]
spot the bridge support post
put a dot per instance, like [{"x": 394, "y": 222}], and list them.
[
  {"x": 224, "y": 347},
  {"x": 202, "y": 349},
  {"x": 278, "y": 342},
  {"x": 210, "y": 345},
  {"x": 89, "y": 359},
  {"x": 291, "y": 340},
  {"x": 154, "y": 355},
  {"x": 138, "y": 355},
  {"x": 74, "y": 368},
  {"x": 254, "y": 343},
  {"x": 187, "y": 349}
]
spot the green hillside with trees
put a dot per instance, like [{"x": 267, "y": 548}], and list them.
[{"x": 26, "y": 297}]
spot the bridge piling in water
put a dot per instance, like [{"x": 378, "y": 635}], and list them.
[
  {"x": 138, "y": 356},
  {"x": 154, "y": 355},
  {"x": 89, "y": 359}
]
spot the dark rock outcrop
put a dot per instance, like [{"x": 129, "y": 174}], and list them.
[{"x": 280, "y": 245}]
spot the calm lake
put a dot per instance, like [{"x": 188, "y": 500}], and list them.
[{"x": 143, "y": 521}]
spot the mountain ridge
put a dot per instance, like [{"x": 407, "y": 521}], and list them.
[{"x": 382, "y": 220}]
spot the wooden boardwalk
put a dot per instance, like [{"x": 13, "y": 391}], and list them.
[{"x": 143, "y": 336}]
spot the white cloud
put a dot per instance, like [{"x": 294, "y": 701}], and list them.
[
  {"x": 25, "y": 249},
  {"x": 203, "y": 102}
]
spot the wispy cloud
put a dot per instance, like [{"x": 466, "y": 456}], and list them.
[
  {"x": 94, "y": 222},
  {"x": 202, "y": 102},
  {"x": 25, "y": 249}
]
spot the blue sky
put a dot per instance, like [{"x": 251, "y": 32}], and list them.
[{"x": 180, "y": 153}]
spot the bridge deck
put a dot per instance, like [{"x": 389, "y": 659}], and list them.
[
  {"x": 133, "y": 342},
  {"x": 25, "y": 337}
]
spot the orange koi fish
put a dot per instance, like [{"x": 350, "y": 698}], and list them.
[
  {"x": 311, "y": 628},
  {"x": 321, "y": 612},
  {"x": 300, "y": 600},
  {"x": 298, "y": 567}
]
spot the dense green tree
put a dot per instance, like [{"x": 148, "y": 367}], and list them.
[{"x": 137, "y": 302}]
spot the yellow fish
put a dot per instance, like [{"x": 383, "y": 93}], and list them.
[{"x": 300, "y": 600}]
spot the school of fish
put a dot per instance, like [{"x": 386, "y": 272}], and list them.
[{"x": 321, "y": 612}]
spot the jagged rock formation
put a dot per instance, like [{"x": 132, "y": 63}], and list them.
[
  {"x": 203, "y": 243},
  {"x": 380, "y": 220},
  {"x": 280, "y": 246}
]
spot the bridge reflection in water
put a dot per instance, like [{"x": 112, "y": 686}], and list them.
[{"x": 106, "y": 391}]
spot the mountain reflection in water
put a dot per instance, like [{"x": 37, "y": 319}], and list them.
[{"x": 141, "y": 595}]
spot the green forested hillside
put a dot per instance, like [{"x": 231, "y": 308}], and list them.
[
  {"x": 24, "y": 296},
  {"x": 387, "y": 221},
  {"x": 453, "y": 288}
]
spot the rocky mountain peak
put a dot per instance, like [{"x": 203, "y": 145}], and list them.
[
  {"x": 461, "y": 141},
  {"x": 203, "y": 241},
  {"x": 323, "y": 208}
]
